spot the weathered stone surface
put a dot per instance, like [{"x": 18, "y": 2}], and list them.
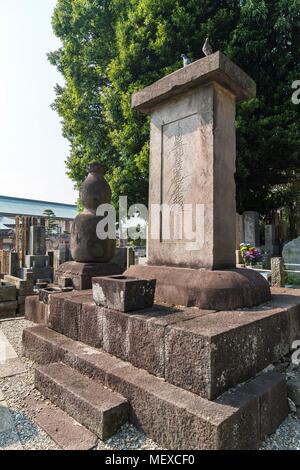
[
  {"x": 74, "y": 314},
  {"x": 7, "y": 292},
  {"x": 203, "y": 424},
  {"x": 45, "y": 293},
  {"x": 24, "y": 287},
  {"x": 11, "y": 367},
  {"x": 139, "y": 337},
  {"x": 289, "y": 299},
  {"x": 224, "y": 348},
  {"x": 90, "y": 325},
  {"x": 179, "y": 176},
  {"x": 215, "y": 67},
  {"x": 82, "y": 273},
  {"x": 266, "y": 390},
  {"x": 99, "y": 409},
  {"x": 64, "y": 430},
  {"x": 56, "y": 309},
  {"x": 277, "y": 276},
  {"x": 212, "y": 290},
  {"x": 123, "y": 293},
  {"x": 8, "y": 309},
  {"x": 36, "y": 311}
]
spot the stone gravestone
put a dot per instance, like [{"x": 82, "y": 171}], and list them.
[
  {"x": 270, "y": 238},
  {"x": 14, "y": 264},
  {"x": 37, "y": 263},
  {"x": 251, "y": 227},
  {"x": 291, "y": 257},
  {"x": 37, "y": 240},
  {"x": 240, "y": 235},
  {"x": 192, "y": 167}
]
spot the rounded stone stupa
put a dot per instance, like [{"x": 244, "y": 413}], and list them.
[
  {"x": 93, "y": 257},
  {"x": 86, "y": 247}
]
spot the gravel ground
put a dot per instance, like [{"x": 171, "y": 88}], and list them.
[{"x": 16, "y": 389}]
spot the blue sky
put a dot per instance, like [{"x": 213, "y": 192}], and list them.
[{"x": 32, "y": 149}]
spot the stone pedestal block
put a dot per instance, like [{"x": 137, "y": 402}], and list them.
[
  {"x": 212, "y": 290},
  {"x": 123, "y": 293},
  {"x": 81, "y": 274}
]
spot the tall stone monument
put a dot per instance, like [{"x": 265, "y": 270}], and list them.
[
  {"x": 92, "y": 256},
  {"x": 192, "y": 167}
]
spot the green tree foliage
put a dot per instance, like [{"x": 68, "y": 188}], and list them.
[
  {"x": 111, "y": 48},
  {"x": 266, "y": 43}
]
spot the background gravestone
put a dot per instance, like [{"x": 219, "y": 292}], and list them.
[
  {"x": 37, "y": 240},
  {"x": 291, "y": 257},
  {"x": 269, "y": 238},
  {"x": 251, "y": 227}
]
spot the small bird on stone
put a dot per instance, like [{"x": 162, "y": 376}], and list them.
[
  {"x": 186, "y": 60},
  {"x": 207, "y": 49}
]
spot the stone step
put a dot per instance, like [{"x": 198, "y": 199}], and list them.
[
  {"x": 173, "y": 417},
  {"x": 223, "y": 348},
  {"x": 101, "y": 410}
]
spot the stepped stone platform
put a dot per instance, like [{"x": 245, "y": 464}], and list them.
[
  {"x": 191, "y": 378},
  {"x": 224, "y": 348},
  {"x": 173, "y": 417}
]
